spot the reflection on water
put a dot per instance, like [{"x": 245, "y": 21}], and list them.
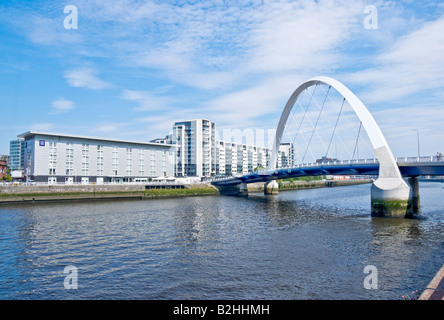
[{"x": 307, "y": 244}]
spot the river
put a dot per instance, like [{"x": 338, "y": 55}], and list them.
[{"x": 305, "y": 244}]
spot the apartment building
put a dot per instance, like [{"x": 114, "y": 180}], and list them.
[{"x": 196, "y": 148}]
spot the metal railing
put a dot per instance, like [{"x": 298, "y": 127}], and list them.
[
  {"x": 418, "y": 159},
  {"x": 425, "y": 159},
  {"x": 143, "y": 183}
]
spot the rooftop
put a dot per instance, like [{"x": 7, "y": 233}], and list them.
[{"x": 51, "y": 134}]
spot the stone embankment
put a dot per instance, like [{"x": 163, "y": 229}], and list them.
[
  {"x": 297, "y": 185},
  {"x": 47, "y": 193}
]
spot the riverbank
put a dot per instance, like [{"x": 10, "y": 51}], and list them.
[
  {"x": 53, "y": 193},
  {"x": 299, "y": 185}
]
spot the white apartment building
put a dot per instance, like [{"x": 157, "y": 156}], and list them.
[
  {"x": 233, "y": 158},
  {"x": 196, "y": 148},
  {"x": 199, "y": 154},
  {"x": 286, "y": 156},
  {"x": 61, "y": 158}
]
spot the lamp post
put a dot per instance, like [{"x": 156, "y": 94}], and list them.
[{"x": 417, "y": 134}]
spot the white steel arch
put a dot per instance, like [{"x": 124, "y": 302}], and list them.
[{"x": 388, "y": 167}]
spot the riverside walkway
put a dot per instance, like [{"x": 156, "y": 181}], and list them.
[{"x": 435, "y": 289}]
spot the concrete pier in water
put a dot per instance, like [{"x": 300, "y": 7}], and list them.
[{"x": 271, "y": 188}]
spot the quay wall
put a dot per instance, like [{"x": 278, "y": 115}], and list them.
[
  {"x": 296, "y": 185},
  {"x": 47, "y": 193},
  {"x": 63, "y": 188}
]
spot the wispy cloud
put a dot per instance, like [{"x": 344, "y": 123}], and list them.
[
  {"x": 109, "y": 127},
  {"x": 61, "y": 106},
  {"x": 42, "y": 126},
  {"x": 85, "y": 77},
  {"x": 413, "y": 64},
  {"x": 147, "y": 101}
]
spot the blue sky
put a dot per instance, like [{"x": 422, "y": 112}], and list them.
[{"x": 133, "y": 68}]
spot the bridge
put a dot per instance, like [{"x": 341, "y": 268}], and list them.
[{"x": 391, "y": 194}]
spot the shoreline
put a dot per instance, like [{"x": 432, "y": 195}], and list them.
[
  {"x": 51, "y": 193},
  {"x": 95, "y": 193}
]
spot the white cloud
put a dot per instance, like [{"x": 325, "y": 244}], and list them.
[
  {"x": 146, "y": 101},
  {"x": 413, "y": 64},
  {"x": 398, "y": 125},
  {"x": 61, "y": 106},
  {"x": 210, "y": 45},
  {"x": 109, "y": 127},
  {"x": 85, "y": 77},
  {"x": 42, "y": 126},
  {"x": 303, "y": 35}
]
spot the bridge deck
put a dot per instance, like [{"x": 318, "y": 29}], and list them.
[{"x": 408, "y": 167}]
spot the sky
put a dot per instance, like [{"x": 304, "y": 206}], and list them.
[{"x": 129, "y": 69}]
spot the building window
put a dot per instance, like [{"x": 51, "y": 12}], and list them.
[
  {"x": 85, "y": 159},
  {"x": 52, "y": 157},
  {"x": 141, "y": 163},
  {"x": 100, "y": 160},
  {"x": 164, "y": 157},
  {"x": 69, "y": 159},
  {"x": 129, "y": 160},
  {"x": 115, "y": 161},
  {"x": 153, "y": 163}
]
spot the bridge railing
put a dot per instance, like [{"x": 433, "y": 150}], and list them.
[
  {"x": 417, "y": 159},
  {"x": 425, "y": 159}
]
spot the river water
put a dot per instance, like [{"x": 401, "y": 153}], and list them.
[{"x": 306, "y": 244}]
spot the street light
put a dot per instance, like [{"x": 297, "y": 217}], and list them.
[{"x": 417, "y": 133}]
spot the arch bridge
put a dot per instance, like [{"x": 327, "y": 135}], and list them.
[{"x": 391, "y": 195}]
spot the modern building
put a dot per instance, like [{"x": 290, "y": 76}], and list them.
[
  {"x": 16, "y": 152},
  {"x": 286, "y": 156},
  {"x": 62, "y": 158},
  {"x": 196, "y": 148},
  {"x": 234, "y": 158},
  {"x": 199, "y": 154}
]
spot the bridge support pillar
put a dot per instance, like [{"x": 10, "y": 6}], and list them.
[
  {"x": 240, "y": 189},
  {"x": 243, "y": 189},
  {"x": 414, "y": 183},
  {"x": 391, "y": 197},
  {"x": 271, "y": 188}
]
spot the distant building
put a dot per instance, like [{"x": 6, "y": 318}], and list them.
[
  {"x": 61, "y": 158},
  {"x": 199, "y": 154},
  {"x": 286, "y": 156},
  {"x": 5, "y": 157},
  {"x": 233, "y": 158},
  {"x": 161, "y": 140},
  {"x": 3, "y": 168},
  {"x": 16, "y": 152}
]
